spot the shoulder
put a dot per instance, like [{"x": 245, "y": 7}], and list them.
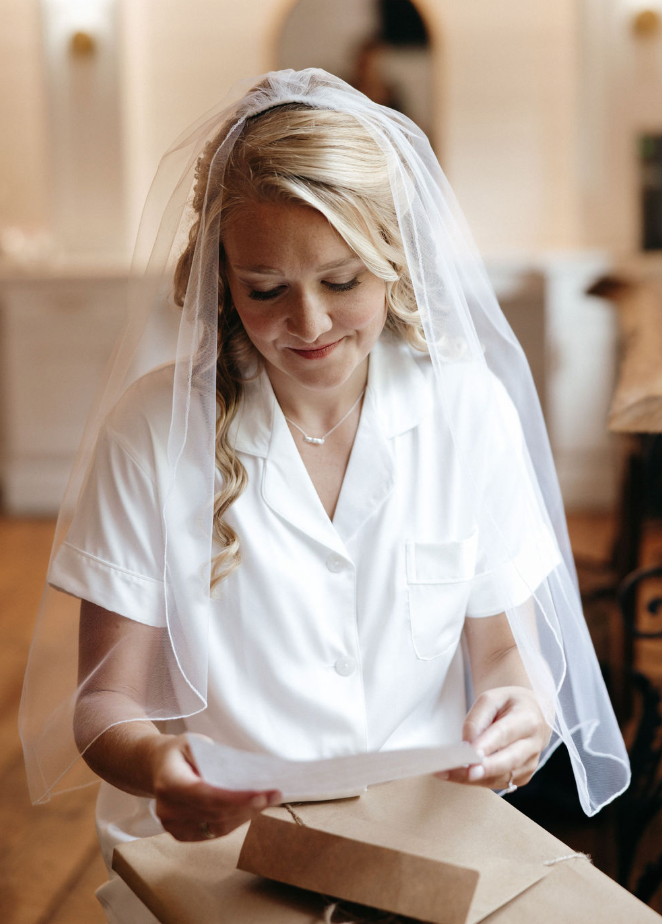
[
  {"x": 140, "y": 421},
  {"x": 465, "y": 394},
  {"x": 397, "y": 358},
  {"x": 399, "y": 384},
  {"x": 398, "y": 369},
  {"x": 395, "y": 362},
  {"x": 479, "y": 408}
]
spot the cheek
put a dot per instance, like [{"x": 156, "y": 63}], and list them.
[
  {"x": 368, "y": 312},
  {"x": 257, "y": 322}
]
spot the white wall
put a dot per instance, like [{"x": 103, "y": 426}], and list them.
[
  {"x": 506, "y": 88},
  {"x": 23, "y": 155},
  {"x": 621, "y": 97},
  {"x": 510, "y": 75},
  {"x": 538, "y": 105},
  {"x": 180, "y": 59},
  {"x": 506, "y": 99},
  {"x": 85, "y": 129}
]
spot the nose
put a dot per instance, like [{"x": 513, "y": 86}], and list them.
[{"x": 308, "y": 318}]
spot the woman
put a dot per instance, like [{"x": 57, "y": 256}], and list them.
[{"x": 318, "y": 531}]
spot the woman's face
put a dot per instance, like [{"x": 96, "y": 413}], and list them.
[{"x": 307, "y": 302}]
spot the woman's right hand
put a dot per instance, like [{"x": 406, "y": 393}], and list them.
[
  {"x": 134, "y": 755},
  {"x": 189, "y": 808}
]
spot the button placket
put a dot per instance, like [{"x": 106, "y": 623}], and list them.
[{"x": 346, "y": 665}]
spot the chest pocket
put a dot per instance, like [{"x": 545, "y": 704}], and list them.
[{"x": 438, "y": 581}]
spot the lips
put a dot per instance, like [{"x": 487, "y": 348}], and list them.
[{"x": 317, "y": 353}]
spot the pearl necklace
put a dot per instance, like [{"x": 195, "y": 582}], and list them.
[{"x": 319, "y": 440}]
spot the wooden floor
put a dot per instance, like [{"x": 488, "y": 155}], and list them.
[{"x": 50, "y": 864}]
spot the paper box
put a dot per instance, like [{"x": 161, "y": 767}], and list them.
[{"x": 456, "y": 828}]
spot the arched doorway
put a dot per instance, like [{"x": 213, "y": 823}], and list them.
[{"x": 382, "y": 47}]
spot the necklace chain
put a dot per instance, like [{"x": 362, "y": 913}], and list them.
[{"x": 319, "y": 440}]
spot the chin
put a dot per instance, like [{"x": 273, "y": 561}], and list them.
[
  {"x": 320, "y": 381},
  {"x": 322, "y": 375}
]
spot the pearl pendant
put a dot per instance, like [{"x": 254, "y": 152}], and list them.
[{"x": 314, "y": 439}]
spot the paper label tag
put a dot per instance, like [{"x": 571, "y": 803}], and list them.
[{"x": 330, "y": 778}]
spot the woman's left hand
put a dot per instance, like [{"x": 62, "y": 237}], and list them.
[{"x": 507, "y": 725}]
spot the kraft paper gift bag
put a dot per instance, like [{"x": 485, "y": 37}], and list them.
[
  {"x": 374, "y": 851},
  {"x": 472, "y": 838}
]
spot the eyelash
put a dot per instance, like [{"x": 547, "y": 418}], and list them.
[{"x": 259, "y": 296}]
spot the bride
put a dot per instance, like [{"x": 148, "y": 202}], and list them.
[{"x": 329, "y": 524}]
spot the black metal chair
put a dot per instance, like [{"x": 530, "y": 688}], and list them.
[{"x": 641, "y": 804}]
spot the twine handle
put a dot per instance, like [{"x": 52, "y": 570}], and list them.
[
  {"x": 569, "y": 856},
  {"x": 299, "y": 820}
]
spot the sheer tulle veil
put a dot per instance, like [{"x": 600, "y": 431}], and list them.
[{"x": 468, "y": 338}]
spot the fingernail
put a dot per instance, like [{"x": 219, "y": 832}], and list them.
[
  {"x": 476, "y": 772},
  {"x": 481, "y": 753},
  {"x": 275, "y": 798},
  {"x": 258, "y": 802}
]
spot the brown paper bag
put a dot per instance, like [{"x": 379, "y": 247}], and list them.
[
  {"x": 472, "y": 828},
  {"x": 364, "y": 852}
]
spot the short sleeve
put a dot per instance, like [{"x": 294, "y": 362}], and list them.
[
  {"x": 113, "y": 551},
  {"x": 517, "y": 549}
]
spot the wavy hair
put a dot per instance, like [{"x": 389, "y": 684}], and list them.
[{"x": 295, "y": 154}]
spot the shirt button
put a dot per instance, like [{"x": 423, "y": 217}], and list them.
[
  {"x": 345, "y": 666},
  {"x": 335, "y": 563}
]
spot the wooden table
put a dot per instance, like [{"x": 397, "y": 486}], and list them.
[
  {"x": 198, "y": 883},
  {"x": 637, "y": 402}
]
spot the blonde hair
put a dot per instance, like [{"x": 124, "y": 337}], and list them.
[{"x": 321, "y": 158}]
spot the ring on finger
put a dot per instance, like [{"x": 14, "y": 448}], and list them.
[
  {"x": 206, "y": 831},
  {"x": 512, "y": 785}
]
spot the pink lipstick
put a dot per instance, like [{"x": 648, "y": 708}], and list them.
[{"x": 316, "y": 354}]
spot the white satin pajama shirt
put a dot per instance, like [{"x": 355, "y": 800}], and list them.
[{"x": 332, "y": 637}]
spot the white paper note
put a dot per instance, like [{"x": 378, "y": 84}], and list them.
[{"x": 331, "y": 778}]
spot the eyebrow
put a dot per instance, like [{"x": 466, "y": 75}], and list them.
[{"x": 272, "y": 271}]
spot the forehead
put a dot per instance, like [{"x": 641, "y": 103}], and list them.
[{"x": 282, "y": 235}]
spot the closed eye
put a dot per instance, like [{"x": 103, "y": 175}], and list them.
[
  {"x": 343, "y": 286},
  {"x": 264, "y": 296},
  {"x": 258, "y": 296}
]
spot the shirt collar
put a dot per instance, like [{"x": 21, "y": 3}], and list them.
[{"x": 398, "y": 380}]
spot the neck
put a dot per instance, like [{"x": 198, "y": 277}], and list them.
[{"x": 317, "y": 409}]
